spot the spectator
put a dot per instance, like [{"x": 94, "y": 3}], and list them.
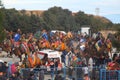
[
  {"x": 90, "y": 66},
  {"x": 118, "y": 60},
  {"x": 41, "y": 77},
  {"x": 85, "y": 69},
  {"x": 70, "y": 72},
  {"x": 56, "y": 65},
  {"x": 115, "y": 57},
  {"x": 13, "y": 77},
  {"x": 31, "y": 76},
  {"x": 107, "y": 59},
  {"x": 102, "y": 61},
  {"x": 86, "y": 77},
  {"x": 58, "y": 77},
  {"x": 52, "y": 68}
]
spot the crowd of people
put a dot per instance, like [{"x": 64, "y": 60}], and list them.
[{"x": 78, "y": 50}]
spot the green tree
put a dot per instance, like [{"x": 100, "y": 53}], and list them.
[
  {"x": 53, "y": 18},
  {"x": 97, "y": 23},
  {"x": 14, "y": 19},
  {"x": 116, "y": 42},
  {"x": 2, "y": 33},
  {"x": 58, "y": 18},
  {"x": 82, "y": 18}
]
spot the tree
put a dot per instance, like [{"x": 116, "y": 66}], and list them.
[
  {"x": 53, "y": 18},
  {"x": 82, "y": 18},
  {"x": 58, "y": 18},
  {"x": 2, "y": 33},
  {"x": 116, "y": 42},
  {"x": 1, "y": 5},
  {"x": 14, "y": 19}
]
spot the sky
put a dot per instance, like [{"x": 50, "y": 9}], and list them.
[{"x": 106, "y": 8}]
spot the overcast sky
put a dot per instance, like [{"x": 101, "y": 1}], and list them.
[{"x": 105, "y": 7}]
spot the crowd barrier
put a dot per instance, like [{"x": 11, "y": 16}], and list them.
[
  {"x": 109, "y": 74},
  {"x": 76, "y": 73},
  {"x": 67, "y": 73}
]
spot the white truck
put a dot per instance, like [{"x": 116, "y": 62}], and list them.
[
  {"x": 86, "y": 31},
  {"x": 52, "y": 54}
]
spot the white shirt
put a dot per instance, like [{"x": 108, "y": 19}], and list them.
[
  {"x": 85, "y": 70},
  {"x": 90, "y": 64}
]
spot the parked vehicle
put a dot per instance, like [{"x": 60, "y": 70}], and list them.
[{"x": 52, "y": 56}]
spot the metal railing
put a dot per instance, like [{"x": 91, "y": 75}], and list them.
[
  {"x": 66, "y": 73},
  {"x": 109, "y": 74}
]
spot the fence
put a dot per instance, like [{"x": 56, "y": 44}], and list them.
[
  {"x": 67, "y": 73},
  {"x": 76, "y": 73},
  {"x": 109, "y": 75}
]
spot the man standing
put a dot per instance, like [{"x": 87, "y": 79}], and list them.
[{"x": 90, "y": 66}]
